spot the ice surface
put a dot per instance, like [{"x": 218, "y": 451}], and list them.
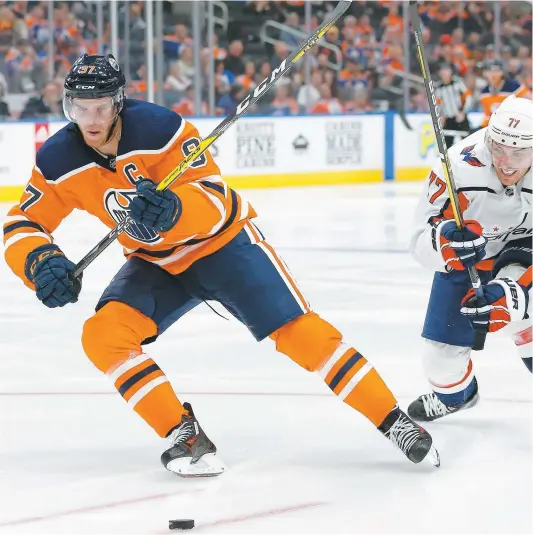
[{"x": 75, "y": 459}]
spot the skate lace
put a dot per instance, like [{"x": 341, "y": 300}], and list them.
[
  {"x": 182, "y": 433},
  {"x": 433, "y": 405},
  {"x": 404, "y": 433}
]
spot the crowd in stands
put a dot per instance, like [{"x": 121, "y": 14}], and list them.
[{"x": 363, "y": 70}]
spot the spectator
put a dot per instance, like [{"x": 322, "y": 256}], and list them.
[
  {"x": 360, "y": 102},
  {"x": 332, "y": 38},
  {"x": 186, "y": 62},
  {"x": 234, "y": 62},
  {"x": 173, "y": 44},
  {"x": 9, "y": 29},
  {"x": 474, "y": 20},
  {"x": 309, "y": 94},
  {"x": 221, "y": 88},
  {"x": 3, "y": 83},
  {"x": 507, "y": 56},
  {"x": 220, "y": 69},
  {"x": 419, "y": 101},
  {"x": 393, "y": 21},
  {"x": 48, "y": 105},
  {"x": 352, "y": 76},
  {"x": 228, "y": 102},
  {"x": 216, "y": 50},
  {"x": 330, "y": 78},
  {"x": 21, "y": 62},
  {"x": 312, "y": 26},
  {"x": 363, "y": 26},
  {"x": 510, "y": 35},
  {"x": 4, "y": 108},
  {"x": 280, "y": 53},
  {"x": 349, "y": 24},
  {"x": 175, "y": 80},
  {"x": 524, "y": 54},
  {"x": 283, "y": 104},
  {"x": 36, "y": 24},
  {"x": 247, "y": 80},
  {"x": 264, "y": 72},
  {"x": 186, "y": 106},
  {"x": 327, "y": 103},
  {"x": 350, "y": 44},
  {"x": 291, "y": 39}
]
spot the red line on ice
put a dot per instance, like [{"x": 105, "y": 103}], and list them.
[
  {"x": 253, "y": 516},
  {"x": 88, "y": 509}
]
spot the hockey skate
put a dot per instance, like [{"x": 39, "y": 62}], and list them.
[
  {"x": 192, "y": 454},
  {"x": 415, "y": 442},
  {"x": 429, "y": 407}
]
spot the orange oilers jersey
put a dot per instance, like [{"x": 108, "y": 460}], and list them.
[
  {"x": 491, "y": 98},
  {"x": 68, "y": 174}
]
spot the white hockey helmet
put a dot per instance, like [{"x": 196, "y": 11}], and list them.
[
  {"x": 512, "y": 123},
  {"x": 509, "y": 136}
]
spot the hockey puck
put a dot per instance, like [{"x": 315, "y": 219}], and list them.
[{"x": 181, "y": 524}]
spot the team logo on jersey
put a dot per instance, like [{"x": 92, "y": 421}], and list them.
[
  {"x": 469, "y": 157},
  {"x": 117, "y": 202}
]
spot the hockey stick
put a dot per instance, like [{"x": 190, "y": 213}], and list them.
[
  {"x": 479, "y": 338},
  {"x": 241, "y": 109}
]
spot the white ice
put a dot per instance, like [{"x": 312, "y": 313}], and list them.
[{"x": 74, "y": 459}]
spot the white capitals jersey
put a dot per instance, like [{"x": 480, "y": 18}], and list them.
[{"x": 503, "y": 212}]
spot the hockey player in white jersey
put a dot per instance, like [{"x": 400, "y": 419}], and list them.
[{"x": 492, "y": 172}]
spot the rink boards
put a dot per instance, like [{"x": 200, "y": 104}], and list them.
[{"x": 258, "y": 152}]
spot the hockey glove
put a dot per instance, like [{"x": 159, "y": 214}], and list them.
[
  {"x": 49, "y": 269},
  {"x": 157, "y": 210},
  {"x": 461, "y": 249},
  {"x": 507, "y": 301}
]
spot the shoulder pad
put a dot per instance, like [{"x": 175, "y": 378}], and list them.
[
  {"x": 147, "y": 126},
  {"x": 62, "y": 153}
]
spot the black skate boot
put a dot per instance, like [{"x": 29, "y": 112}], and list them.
[
  {"x": 192, "y": 454},
  {"x": 413, "y": 440},
  {"x": 429, "y": 407}
]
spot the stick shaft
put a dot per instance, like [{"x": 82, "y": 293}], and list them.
[{"x": 479, "y": 340}]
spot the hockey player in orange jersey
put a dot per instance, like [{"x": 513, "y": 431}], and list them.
[
  {"x": 191, "y": 243},
  {"x": 498, "y": 88}
]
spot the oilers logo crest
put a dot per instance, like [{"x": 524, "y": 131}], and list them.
[{"x": 116, "y": 202}]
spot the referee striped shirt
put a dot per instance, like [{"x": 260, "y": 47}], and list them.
[{"x": 454, "y": 97}]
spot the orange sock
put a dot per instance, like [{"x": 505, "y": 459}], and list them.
[
  {"x": 354, "y": 380},
  {"x": 112, "y": 341},
  {"x": 316, "y": 345}
]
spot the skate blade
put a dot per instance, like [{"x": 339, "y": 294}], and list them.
[
  {"x": 433, "y": 457},
  {"x": 207, "y": 466}
]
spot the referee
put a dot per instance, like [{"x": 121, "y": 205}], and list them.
[{"x": 454, "y": 102}]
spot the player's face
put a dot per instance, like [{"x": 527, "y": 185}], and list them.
[
  {"x": 511, "y": 164},
  {"x": 94, "y": 118},
  {"x": 494, "y": 77}
]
